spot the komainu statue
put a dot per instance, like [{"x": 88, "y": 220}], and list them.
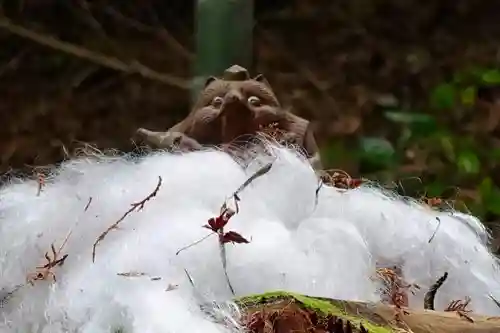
[{"x": 232, "y": 108}]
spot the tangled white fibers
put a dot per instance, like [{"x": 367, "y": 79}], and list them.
[{"x": 138, "y": 283}]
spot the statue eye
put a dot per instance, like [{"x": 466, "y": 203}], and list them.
[
  {"x": 254, "y": 100},
  {"x": 217, "y": 101}
]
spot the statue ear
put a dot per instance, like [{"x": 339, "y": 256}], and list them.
[
  {"x": 209, "y": 80},
  {"x": 262, "y": 79}
]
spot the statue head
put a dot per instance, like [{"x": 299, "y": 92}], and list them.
[{"x": 240, "y": 103}]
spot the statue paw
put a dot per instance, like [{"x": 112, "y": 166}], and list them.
[{"x": 168, "y": 139}]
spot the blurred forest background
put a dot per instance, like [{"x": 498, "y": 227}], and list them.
[{"x": 402, "y": 91}]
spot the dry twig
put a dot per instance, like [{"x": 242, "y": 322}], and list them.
[
  {"x": 88, "y": 204},
  {"x": 497, "y": 303},
  {"x": 87, "y": 16},
  {"x": 436, "y": 230},
  {"x": 431, "y": 294},
  {"x": 316, "y": 193},
  {"x": 460, "y": 307},
  {"x": 45, "y": 271},
  {"x": 395, "y": 290},
  {"x": 340, "y": 179},
  {"x": 132, "y": 274},
  {"x": 5, "y": 296},
  {"x": 134, "y": 67},
  {"x": 41, "y": 183},
  {"x": 135, "y": 206},
  {"x": 159, "y": 31},
  {"x": 273, "y": 131},
  {"x": 262, "y": 171}
]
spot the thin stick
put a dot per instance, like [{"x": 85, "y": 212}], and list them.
[
  {"x": 8, "y": 295},
  {"x": 316, "y": 193},
  {"x": 65, "y": 241},
  {"x": 436, "y": 230},
  {"x": 138, "y": 205},
  {"x": 497, "y": 303},
  {"x": 223, "y": 257},
  {"x": 134, "y": 67},
  {"x": 262, "y": 171},
  {"x": 431, "y": 294},
  {"x": 193, "y": 244},
  {"x": 40, "y": 178},
  {"x": 161, "y": 32},
  {"x": 88, "y": 204},
  {"x": 191, "y": 281},
  {"x": 224, "y": 210}
]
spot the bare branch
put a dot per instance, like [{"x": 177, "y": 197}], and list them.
[
  {"x": 135, "y": 206},
  {"x": 134, "y": 67},
  {"x": 262, "y": 171},
  {"x": 88, "y": 17},
  {"x": 161, "y": 32}
]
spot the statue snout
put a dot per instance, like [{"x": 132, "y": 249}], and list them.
[
  {"x": 234, "y": 104},
  {"x": 233, "y": 97}
]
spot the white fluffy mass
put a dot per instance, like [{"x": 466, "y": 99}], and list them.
[{"x": 330, "y": 249}]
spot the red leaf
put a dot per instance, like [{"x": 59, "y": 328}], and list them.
[
  {"x": 209, "y": 227},
  {"x": 217, "y": 223},
  {"x": 355, "y": 182},
  {"x": 233, "y": 237}
]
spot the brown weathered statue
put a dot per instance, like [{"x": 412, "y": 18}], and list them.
[{"x": 231, "y": 108}]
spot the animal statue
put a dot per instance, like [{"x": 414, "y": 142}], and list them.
[{"x": 231, "y": 108}]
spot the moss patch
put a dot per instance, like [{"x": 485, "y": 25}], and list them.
[{"x": 321, "y": 306}]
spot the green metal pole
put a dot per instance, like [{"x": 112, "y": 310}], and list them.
[{"x": 224, "y": 37}]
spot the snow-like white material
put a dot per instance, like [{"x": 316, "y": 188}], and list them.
[{"x": 328, "y": 250}]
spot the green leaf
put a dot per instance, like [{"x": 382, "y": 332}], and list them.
[
  {"x": 443, "y": 96},
  {"x": 448, "y": 147},
  {"x": 491, "y": 76},
  {"x": 468, "y": 95},
  {"x": 419, "y": 124},
  {"x": 493, "y": 205},
  {"x": 405, "y": 117},
  {"x": 435, "y": 189},
  {"x": 377, "y": 151},
  {"x": 468, "y": 162},
  {"x": 485, "y": 188},
  {"x": 459, "y": 77},
  {"x": 490, "y": 196},
  {"x": 494, "y": 155},
  {"x": 333, "y": 153}
]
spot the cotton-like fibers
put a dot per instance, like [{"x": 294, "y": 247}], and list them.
[{"x": 138, "y": 283}]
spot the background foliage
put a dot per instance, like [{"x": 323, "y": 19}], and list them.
[{"x": 400, "y": 91}]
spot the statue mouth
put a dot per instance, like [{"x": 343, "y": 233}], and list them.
[{"x": 237, "y": 120}]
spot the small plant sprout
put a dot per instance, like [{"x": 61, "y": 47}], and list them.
[{"x": 217, "y": 224}]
